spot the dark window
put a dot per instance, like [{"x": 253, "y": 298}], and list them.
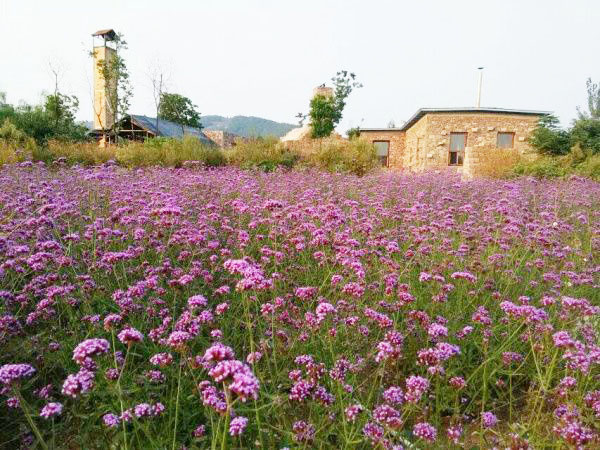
[
  {"x": 505, "y": 140},
  {"x": 458, "y": 142},
  {"x": 382, "y": 150}
]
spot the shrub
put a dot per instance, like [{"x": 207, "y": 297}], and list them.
[
  {"x": 262, "y": 153},
  {"x": 577, "y": 162},
  {"x": 549, "y": 139},
  {"x": 15, "y": 145},
  {"x": 356, "y": 156},
  {"x": 586, "y": 132},
  {"x": 84, "y": 153},
  {"x": 168, "y": 152},
  {"x": 499, "y": 162}
]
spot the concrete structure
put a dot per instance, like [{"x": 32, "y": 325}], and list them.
[
  {"x": 435, "y": 138},
  {"x": 104, "y": 118}
]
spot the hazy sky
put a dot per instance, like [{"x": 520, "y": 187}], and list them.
[{"x": 263, "y": 58}]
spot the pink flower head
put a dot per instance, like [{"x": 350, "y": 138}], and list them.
[
  {"x": 197, "y": 301},
  {"x": 51, "y": 409},
  {"x": 178, "y": 339},
  {"x": 161, "y": 359},
  {"x": 218, "y": 352},
  {"x": 415, "y": 388},
  {"x": 130, "y": 335},
  {"x": 11, "y": 373},
  {"x": 88, "y": 348},
  {"x": 425, "y": 431},
  {"x": 488, "y": 419},
  {"x": 237, "y": 426}
]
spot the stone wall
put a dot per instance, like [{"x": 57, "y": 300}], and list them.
[
  {"x": 428, "y": 140},
  {"x": 396, "y": 140},
  {"x": 222, "y": 138}
]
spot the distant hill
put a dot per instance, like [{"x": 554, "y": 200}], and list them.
[{"x": 247, "y": 126}]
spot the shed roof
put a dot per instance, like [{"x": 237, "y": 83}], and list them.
[
  {"x": 109, "y": 34},
  {"x": 167, "y": 128}
]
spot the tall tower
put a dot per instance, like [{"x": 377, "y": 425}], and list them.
[
  {"x": 104, "y": 117},
  {"x": 323, "y": 90}
]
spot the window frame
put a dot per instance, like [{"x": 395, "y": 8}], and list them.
[
  {"x": 512, "y": 142},
  {"x": 466, "y": 135},
  {"x": 387, "y": 157}
]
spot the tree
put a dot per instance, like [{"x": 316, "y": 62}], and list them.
[
  {"x": 549, "y": 138},
  {"x": 179, "y": 109},
  {"x": 326, "y": 111},
  {"x": 158, "y": 78},
  {"x": 593, "y": 94},
  {"x": 586, "y": 133},
  {"x": 353, "y": 133},
  {"x": 118, "y": 90},
  {"x": 323, "y": 115}
]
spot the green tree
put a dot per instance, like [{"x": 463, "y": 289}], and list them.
[
  {"x": 323, "y": 116},
  {"x": 593, "y": 94},
  {"x": 179, "y": 109},
  {"x": 326, "y": 111},
  {"x": 586, "y": 133},
  {"x": 353, "y": 133},
  {"x": 548, "y": 138}
]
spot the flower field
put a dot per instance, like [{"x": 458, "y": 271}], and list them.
[{"x": 190, "y": 308}]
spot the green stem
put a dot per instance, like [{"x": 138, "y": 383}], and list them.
[
  {"x": 176, "y": 407},
  {"x": 34, "y": 428},
  {"x": 119, "y": 390}
]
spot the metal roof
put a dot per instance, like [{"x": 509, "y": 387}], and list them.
[
  {"x": 167, "y": 128},
  {"x": 423, "y": 111}
]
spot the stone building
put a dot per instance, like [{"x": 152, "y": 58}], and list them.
[
  {"x": 223, "y": 139},
  {"x": 434, "y": 138}
]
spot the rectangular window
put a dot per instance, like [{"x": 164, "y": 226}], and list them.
[
  {"x": 505, "y": 140},
  {"x": 382, "y": 150},
  {"x": 458, "y": 142}
]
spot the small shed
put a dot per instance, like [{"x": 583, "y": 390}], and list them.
[{"x": 138, "y": 127}]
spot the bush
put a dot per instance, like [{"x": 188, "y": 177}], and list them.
[
  {"x": 168, "y": 152},
  {"x": 499, "y": 162},
  {"x": 356, "y": 156},
  {"x": 586, "y": 132},
  {"x": 262, "y": 153},
  {"x": 84, "y": 153},
  {"x": 577, "y": 162},
  {"x": 15, "y": 145},
  {"x": 549, "y": 139}
]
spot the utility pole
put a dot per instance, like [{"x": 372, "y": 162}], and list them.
[{"x": 479, "y": 87}]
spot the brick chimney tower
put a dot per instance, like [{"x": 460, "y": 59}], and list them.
[
  {"x": 104, "y": 118},
  {"x": 323, "y": 90}
]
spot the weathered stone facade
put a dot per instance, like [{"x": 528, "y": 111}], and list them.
[
  {"x": 395, "y": 137},
  {"x": 424, "y": 142},
  {"x": 222, "y": 138}
]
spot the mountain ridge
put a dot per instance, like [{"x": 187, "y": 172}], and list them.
[{"x": 246, "y": 126}]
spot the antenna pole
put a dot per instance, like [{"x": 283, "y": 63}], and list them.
[{"x": 479, "y": 86}]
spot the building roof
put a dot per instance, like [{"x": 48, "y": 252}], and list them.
[
  {"x": 108, "y": 34},
  {"x": 167, "y": 128},
  {"x": 423, "y": 111}
]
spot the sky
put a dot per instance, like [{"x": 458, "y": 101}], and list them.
[{"x": 263, "y": 58}]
